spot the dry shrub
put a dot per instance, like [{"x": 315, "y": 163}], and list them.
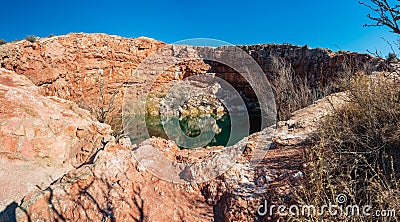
[
  {"x": 106, "y": 105},
  {"x": 370, "y": 121},
  {"x": 291, "y": 92},
  {"x": 358, "y": 152},
  {"x": 31, "y": 39}
]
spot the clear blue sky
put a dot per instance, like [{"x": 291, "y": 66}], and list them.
[{"x": 317, "y": 23}]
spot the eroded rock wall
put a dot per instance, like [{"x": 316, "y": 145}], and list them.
[
  {"x": 317, "y": 66},
  {"x": 90, "y": 69},
  {"x": 99, "y": 67},
  {"x": 113, "y": 185},
  {"x": 40, "y": 137},
  {"x": 99, "y": 72}
]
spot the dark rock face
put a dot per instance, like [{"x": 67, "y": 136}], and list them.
[{"x": 317, "y": 66}]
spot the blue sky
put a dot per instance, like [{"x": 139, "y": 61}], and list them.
[{"x": 328, "y": 24}]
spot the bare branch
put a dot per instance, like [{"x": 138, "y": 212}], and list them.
[{"x": 384, "y": 14}]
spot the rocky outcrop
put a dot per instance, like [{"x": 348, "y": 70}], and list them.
[
  {"x": 44, "y": 134},
  {"x": 40, "y": 137},
  {"x": 96, "y": 67},
  {"x": 237, "y": 194},
  {"x": 318, "y": 67},
  {"x": 100, "y": 67},
  {"x": 115, "y": 187}
]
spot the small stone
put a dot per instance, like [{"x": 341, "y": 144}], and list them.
[
  {"x": 268, "y": 179},
  {"x": 70, "y": 130},
  {"x": 281, "y": 124},
  {"x": 55, "y": 127},
  {"x": 81, "y": 133},
  {"x": 125, "y": 142},
  {"x": 297, "y": 176},
  {"x": 10, "y": 144},
  {"x": 20, "y": 131}
]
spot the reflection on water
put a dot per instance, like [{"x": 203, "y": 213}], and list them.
[{"x": 216, "y": 130}]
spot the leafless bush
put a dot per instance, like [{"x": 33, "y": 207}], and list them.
[
  {"x": 105, "y": 107},
  {"x": 291, "y": 91},
  {"x": 370, "y": 120}
]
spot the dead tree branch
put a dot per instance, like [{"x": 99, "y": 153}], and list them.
[{"x": 385, "y": 14}]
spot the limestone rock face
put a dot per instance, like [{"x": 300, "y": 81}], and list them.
[
  {"x": 33, "y": 125},
  {"x": 73, "y": 60},
  {"x": 38, "y": 133}
]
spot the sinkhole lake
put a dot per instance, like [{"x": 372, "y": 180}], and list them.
[{"x": 195, "y": 131}]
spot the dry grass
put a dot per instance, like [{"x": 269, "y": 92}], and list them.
[{"x": 358, "y": 152}]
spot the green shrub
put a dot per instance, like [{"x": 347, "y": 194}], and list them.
[
  {"x": 31, "y": 39},
  {"x": 2, "y": 42}
]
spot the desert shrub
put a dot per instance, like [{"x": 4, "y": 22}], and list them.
[
  {"x": 392, "y": 56},
  {"x": 31, "y": 39},
  {"x": 291, "y": 92},
  {"x": 358, "y": 152},
  {"x": 370, "y": 120},
  {"x": 104, "y": 104},
  {"x": 51, "y": 35},
  {"x": 2, "y": 42}
]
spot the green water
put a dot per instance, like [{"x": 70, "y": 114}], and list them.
[{"x": 191, "y": 127}]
